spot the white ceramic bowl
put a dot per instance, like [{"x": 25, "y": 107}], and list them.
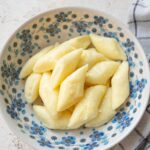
[{"x": 57, "y": 26}]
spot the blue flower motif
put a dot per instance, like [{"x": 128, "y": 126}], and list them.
[
  {"x": 99, "y": 136},
  {"x": 98, "y": 20},
  {"x": 26, "y": 41},
  {"x": 80, "y": 26},
  {"x": 136, "y": 87},
  {"x": 129, "y": 45},
  {"x": 68, "y": 141},
  {"x": 111, "y": 35},
  {"x": 122, "y": 119},
  {"x": 131, "y": 63},
  {"x": 11, "y": 111},
  {"x": 54, "y": 138},
  {"x": 26, "y": 35},
  {"x": 63, "y": 17},
  {"x": 133, "y": 91},
  {"x": 10, "y": 73},
  {"x": 44, "y": 142},
  {"x": 16, "y": 106},
  {"x": 26, "y": 48},
  {"x": 53, "y": 29},
  {"x": 140, "y": 84},
  {"x": 37, "y": 129},
  {"x": 90, "y": 146},
  {"x": 96, "y": 136}
]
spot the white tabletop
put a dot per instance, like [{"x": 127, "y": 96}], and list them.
[{"x": 14, "y": 13}]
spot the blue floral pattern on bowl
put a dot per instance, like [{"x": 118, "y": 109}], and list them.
[{"x": 59, "y": 26}]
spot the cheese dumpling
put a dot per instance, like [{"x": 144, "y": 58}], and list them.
[
  {"x": 90, "y": 57},
  {"x": 109, "y": 47},
  {"x": 101, "y": 72},
  {"x": 48, "y": 95},
  {"x": 61, "y": 122},
  {"x": 72, "y": 89},
  {"x": 106, "y": 113},
  {"x": 28, "y": 67},
  {"x": 64, "y": 67},
  {"x": 48, "y": 61},
  {"x": 87, "y": 108},
  {"x": 120, "y": 85},
  {"x": 32, "y": 87}
]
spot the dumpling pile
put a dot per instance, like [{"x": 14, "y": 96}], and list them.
[{"x": 74, "y": 84}]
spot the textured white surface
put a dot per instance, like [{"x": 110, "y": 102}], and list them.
[{"x": 14, "y": 13}]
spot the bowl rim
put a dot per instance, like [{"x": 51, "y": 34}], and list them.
[{"x": 117, "y": 21}]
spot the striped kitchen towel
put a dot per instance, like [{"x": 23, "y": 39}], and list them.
[{"x": 139, "y": 24}]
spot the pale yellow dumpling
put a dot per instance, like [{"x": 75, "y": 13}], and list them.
[
  {"x": 106, "y": 113},
  {"x": 72, "y": 89},
  {"x": 87, "y": 108},
  {"x": 32, "y": 87},
  {"x": 49, "y": 121},
  {"x": 90, "y": 57},
  {"x": 28, "y": 67},
  {"x": 101, "y": 72},
  {"x": 120, "y": 85},
  {"x": 48, "y": 61},
  {"x": 64, "y": 67},
  {"x": 48, "y": 95},
  {"x": 109, "y": 47}
]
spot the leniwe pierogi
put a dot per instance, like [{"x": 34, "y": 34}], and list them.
[{"x": 82, "y": 81}]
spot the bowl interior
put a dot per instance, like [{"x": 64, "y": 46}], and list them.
[{"x": 57, "y": 26}]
